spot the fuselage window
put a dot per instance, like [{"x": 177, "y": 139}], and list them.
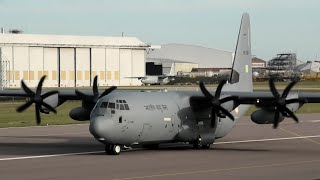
[
  {"x": 124, "y": 101},
  {"x": 104, "y": 105},
  {"x": 126, "y": 106},
  {"x": 111, "y": 105}
]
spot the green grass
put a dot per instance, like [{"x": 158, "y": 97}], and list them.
[{"x": 10, "y": 118}]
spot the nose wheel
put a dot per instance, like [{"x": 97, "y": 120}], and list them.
[{"x": 112, "y": 149}]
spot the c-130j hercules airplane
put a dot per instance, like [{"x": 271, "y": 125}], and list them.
[{"x": 126, "y": 118}]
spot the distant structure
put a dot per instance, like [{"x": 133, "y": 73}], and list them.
[
  {"x": 187, "y": 57},
  {"x": 259, "y": 67},
  {"x": 70, "y": 61},
  {"x": 283, "y": 65}
]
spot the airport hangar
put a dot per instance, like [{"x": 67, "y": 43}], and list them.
[
  {"x": 71, "y": 61},
  {"x": 195, "y": 61},
  {"x": 183, "y": 58}
]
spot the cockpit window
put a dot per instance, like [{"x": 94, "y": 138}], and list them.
[
  {"x": 104, "y": 105},
  {"x": 111, "y": 105},
  {"x": 126, "y": 107},
  {"x": 121, "y": 105}
]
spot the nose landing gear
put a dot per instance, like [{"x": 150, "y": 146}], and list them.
[{"x": 112, "y": 149}]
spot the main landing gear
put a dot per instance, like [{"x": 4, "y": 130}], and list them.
[
  {"x": 112, "y": 149},
  {"x": 197, "y": 144}
]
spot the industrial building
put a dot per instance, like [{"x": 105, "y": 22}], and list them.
[
  {"x": 309, "y": 67},
  {"x": 71, "y": 61},
  {"x": 186, "y": 57},
  {"x": 172, "y": 67}
]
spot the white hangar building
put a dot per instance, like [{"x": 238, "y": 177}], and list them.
[
  {"x": 191, "y": 56},
  {"x": 71, "y": 61}
]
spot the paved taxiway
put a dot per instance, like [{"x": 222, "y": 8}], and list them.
[{"x": 250, "y": 152}]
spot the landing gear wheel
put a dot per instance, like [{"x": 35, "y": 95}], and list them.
[
  {"x": 113, "y": 149},
  {"x": 206, "y": 146},
  {"x": 197, "y": 144}
]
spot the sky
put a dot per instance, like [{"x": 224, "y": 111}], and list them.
[{"x": 277, "y": 26}]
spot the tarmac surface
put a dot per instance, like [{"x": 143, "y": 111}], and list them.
[{"x": 250, "y": 151}]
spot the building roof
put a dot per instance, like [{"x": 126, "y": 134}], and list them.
[
  {"x": 167, "y": 61},
  {"x": 205, "y": 57},
  {"x": 257, "y": 60},
  {"x": 69, "y": 41}
]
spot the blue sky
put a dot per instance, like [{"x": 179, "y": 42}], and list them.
[{"x": 276, "y": 25}]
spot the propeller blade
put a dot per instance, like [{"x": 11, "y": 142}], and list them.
[
  {"x": 226, "y": 112},
  {"x": 213, "y": 118},
  {"x": 26, "y": 89},
  {"x": 291, "y": 114},
  {"x": 229, "y": 98},
  {"x": 49, "y": 94},
  {"x": 276, "y": 119},
  {"x": 273, "y": 88},
  {"x": 107, "y": 91},
  {"x": 205, "y": 91},
  {"x": 95, "y": 86},
  {"x": 38, "y": 118},
  {"x": 49, "y": 107},
  {"x": 288, "y": 88},
  {"x": 290, "y": 101},
  {"x": 39, "y": 87},
  {"x": 24, "y": 106},
  {"x": 219, "y": 88}
]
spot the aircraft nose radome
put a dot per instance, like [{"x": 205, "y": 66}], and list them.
[{"x": 99, "y": 127}]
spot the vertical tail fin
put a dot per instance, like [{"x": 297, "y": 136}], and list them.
[{"x": 241, "y": 73}]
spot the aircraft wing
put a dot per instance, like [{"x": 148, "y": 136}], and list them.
[
  {"x": 274, "y": 105},
  {"x": 164, "y": 76},
  {"x": 47, "y": 101},
  {"x": 138, "y": 77}
]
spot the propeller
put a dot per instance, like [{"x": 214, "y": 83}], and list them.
[
  {"x": 217, "y": 109},
  {"x": 280, "y": 102},
  {"x": 96, "y": 96},
  {"x": 37, "y": 99}
]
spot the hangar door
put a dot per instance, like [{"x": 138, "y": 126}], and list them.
[
  {"x": 36, "y": 65},
  {"x": 125, "y": 67},
  {"x": 98, "y": 65},
  {"x": 50, "y": 67},
  {"x": 82, "y": 67},
  {"x": 20, "y": 64},
  {"x": 67, "y": 68},
  {"x": 138, "y": 65}
]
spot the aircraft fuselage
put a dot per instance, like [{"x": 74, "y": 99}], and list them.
[{"x": 152, "y": 118}]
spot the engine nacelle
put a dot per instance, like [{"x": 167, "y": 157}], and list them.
[
  {"x": 264, "y": 116},
  {"x": 80, "y": 114},
  {"x": 52, "y": 100}
]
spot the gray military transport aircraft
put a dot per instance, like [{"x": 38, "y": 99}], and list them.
[{"x": 121, "y": 119}]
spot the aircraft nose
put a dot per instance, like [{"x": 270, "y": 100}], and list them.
[{"x": 100, "y": 127}]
